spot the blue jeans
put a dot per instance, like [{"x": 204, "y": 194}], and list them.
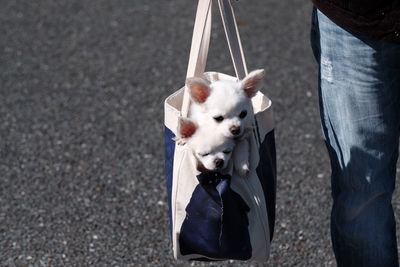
[{"x": 359, "y": 94}]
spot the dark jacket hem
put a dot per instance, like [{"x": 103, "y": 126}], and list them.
[{"x": 383, "y": 25}]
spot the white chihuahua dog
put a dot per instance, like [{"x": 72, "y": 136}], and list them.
[
  {"x": 212, "y": 151},
  {"x": 225, "y": 106}
]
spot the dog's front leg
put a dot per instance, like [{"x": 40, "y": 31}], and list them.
[{"x": 241, "y": 157}]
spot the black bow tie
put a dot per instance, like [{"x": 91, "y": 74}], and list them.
[{"x": 212, "y": 177}]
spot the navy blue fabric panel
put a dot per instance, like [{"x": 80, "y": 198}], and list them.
[
  {"x": 266, "y": 171},
  {"x": 169, "y": 166},
  {"x": 216, "y": 223}
]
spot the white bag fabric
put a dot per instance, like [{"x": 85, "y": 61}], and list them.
[{"x": 247, "y": 207}]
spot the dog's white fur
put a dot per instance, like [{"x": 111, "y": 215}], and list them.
[
  {"x": 224, "y": 111},
  {"x": 212, "y": 151}
]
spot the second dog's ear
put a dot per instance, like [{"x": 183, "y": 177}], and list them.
[
  {"x": 186, "y": 128},
  {"x": 199, "y": 89},
  {"x": 252, "y": 81}
]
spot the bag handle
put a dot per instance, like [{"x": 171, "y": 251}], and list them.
[
  {"x": 201, "y": 42},
  {"x": 200, "y": 39},
  {"x": 199, "y": 47},
  {"x": 233, "y": 38}
]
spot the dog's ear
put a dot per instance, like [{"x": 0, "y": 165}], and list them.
[
  {"x": 186, "y": 128},
  {"x": 252, "y": 81},
  {"x": 199, "y": 89}
]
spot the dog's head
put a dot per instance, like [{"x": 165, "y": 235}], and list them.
[
  {"x": 211, "y": 150},
  {"x": 226, "y": 104}
]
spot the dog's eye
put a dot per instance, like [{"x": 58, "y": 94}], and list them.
[
  {"x": 243, "y": 114},
  {"x": 227, "y": 151},
  {"x": 219, "y": 118},
  {"x": 204, "y": 154}
]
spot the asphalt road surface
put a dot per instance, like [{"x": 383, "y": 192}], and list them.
[{"x": 82, "y": 85}]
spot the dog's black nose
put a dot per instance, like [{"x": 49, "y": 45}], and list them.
[
  {"x": 219, "y": 163},
  {"x": 235, "y": 130}
]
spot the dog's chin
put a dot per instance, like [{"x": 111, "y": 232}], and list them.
[
  {"x": 245, "y": 132},
  {"x": 229, "y": 135},
  {"x": 238, "y": 136},
  {"x": 201, "y": 168}
]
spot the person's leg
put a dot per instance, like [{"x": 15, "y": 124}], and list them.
[{"x": 359, "y": 90}]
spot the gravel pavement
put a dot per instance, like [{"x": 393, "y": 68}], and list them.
[{"x": 82, "y": 85}]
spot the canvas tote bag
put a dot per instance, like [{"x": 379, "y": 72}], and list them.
[{"x": 219, "y": 217}]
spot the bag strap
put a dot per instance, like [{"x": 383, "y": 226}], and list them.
[
  {"x": 201, "y": 42},
  {"x": 233, "y": 38},
  {"x": 200, "y": 39},
  {"x": 199, "y": 47}
]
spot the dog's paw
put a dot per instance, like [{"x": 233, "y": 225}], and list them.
[
  {"x": 180, "y": 141},
  {"x": 243, "y": 169}
]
